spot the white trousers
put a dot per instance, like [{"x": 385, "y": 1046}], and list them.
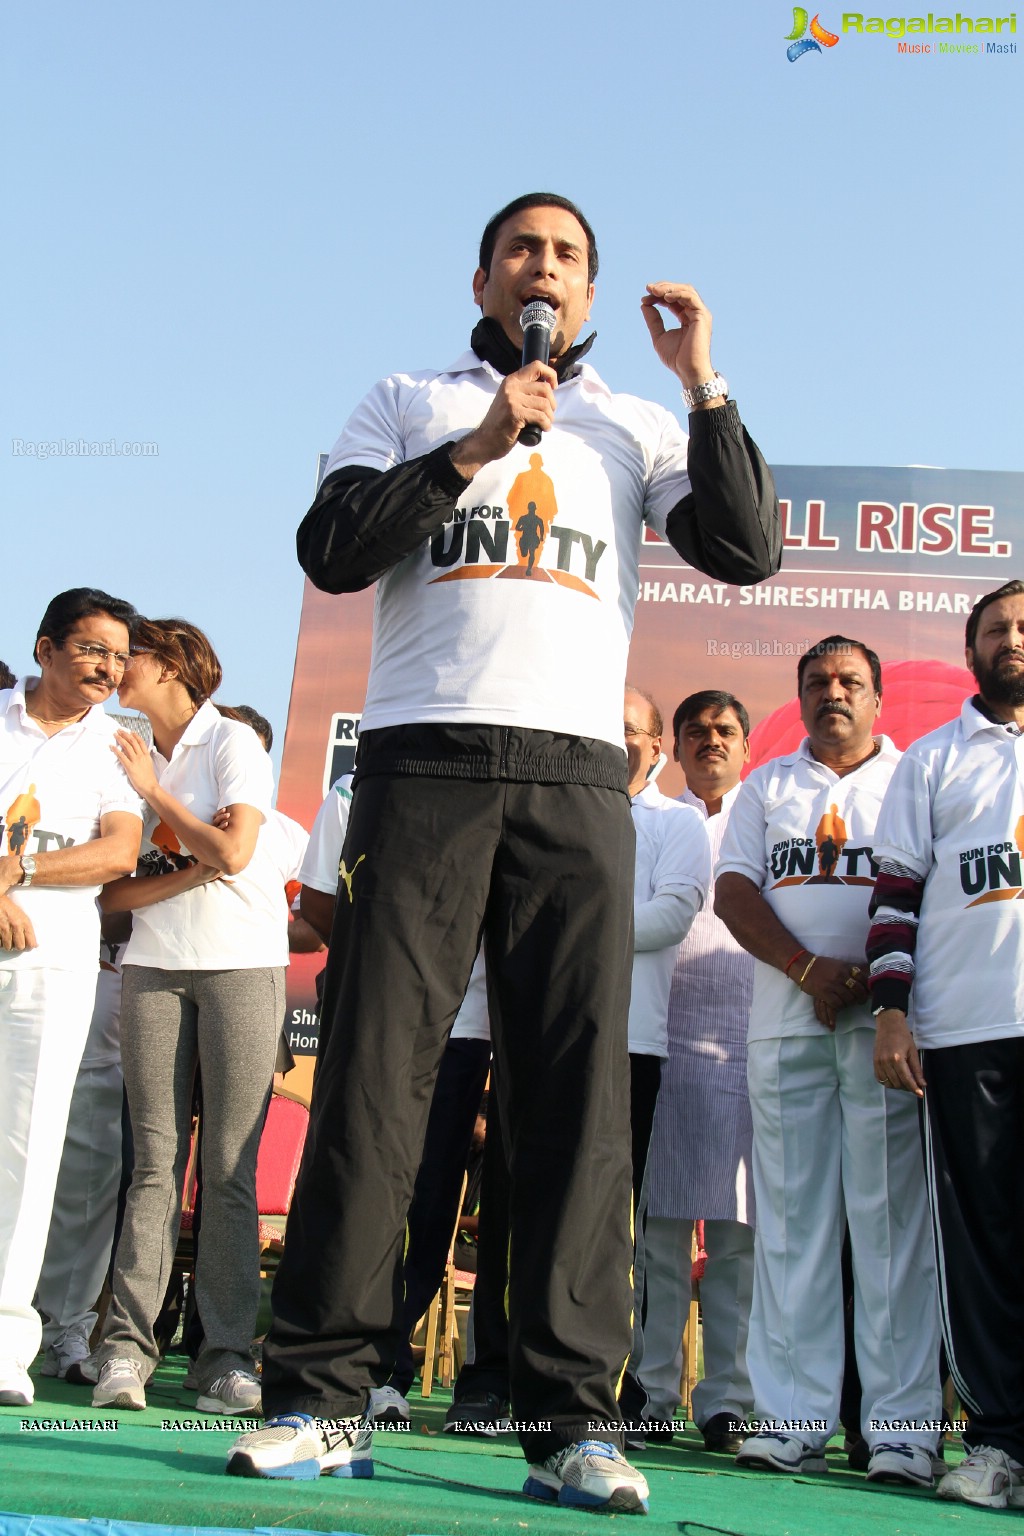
[
  {"x": 827, "y": 1135},
  {"x": 44, "y": 1021},
  {"x": 85, "y": 1200},
  {"x": 725, "y": 1296}
]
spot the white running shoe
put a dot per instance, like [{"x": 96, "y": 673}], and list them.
[
  {"x": 388, "y": 1406},
  {"x": 780, "y": 1453},
  {"x": 591, "y": 1474},
  {"x": 119, "y": 1385},
  {"x": 67, "y": 1349},
  {"x": 16, "y": 1389},
  {"x": 896, "y": 1461},
  {"x": 988, "y": 1477},
  {"x": 293, "y": 1445},
  {"x": 235, "y": 1392}
]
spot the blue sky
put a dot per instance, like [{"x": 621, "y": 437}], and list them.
[{"x": 225, "y": 221}]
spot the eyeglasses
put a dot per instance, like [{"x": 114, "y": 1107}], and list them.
[
  {"x": 629, "y": 731},
  {"x": 92, "y": 653}
]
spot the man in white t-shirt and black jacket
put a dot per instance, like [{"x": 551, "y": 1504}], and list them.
[
  {"x": 490, "y": 798},
  {"x": 947, "y": 948}
]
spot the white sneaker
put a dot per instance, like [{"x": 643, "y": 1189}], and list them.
[
  {"x": 235, "y": 1392},
  {"x": 591, "y": 1474},
  {"x": 988, "y": 1477},
  {"x": 119, "y": 1385},
  {"x": 895, "y": 1461},
  {"x": 293, "y": 1445},
  {"x": 67, "y": 1349},
  {"x": 780, "y": 1453},
  {"x": 388, "y": 1406},
  {"x": 16, "y": 1389}
]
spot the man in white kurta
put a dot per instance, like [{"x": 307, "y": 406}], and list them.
[
  {"x": 699, "y": 1167},
  {"x": 794, "y": 879}
]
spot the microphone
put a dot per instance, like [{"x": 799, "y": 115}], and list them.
[{"x": 537, "y": 321}]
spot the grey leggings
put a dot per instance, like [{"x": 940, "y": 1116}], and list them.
[{"x": 228, "y": 1022}]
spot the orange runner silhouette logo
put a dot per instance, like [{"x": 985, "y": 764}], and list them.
[
  {"x": 532, "y": 509},
  {"x": 22, "y": 818},
  {"x": 478, "y": 532},
  {"x": 167, "y": 841},
  {"x": 830, "y": 839}
]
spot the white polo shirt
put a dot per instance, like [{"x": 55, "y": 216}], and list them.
[
  {"x": 673, "y": 855},
  {"x": 805, "y": 837},
  {"x": 323, "y": 851},
  {"x": 954, "y": 816},
  {"x": 285, "y": 841},
  {"x": 462, "y": 632},
  {"x": 237, "y": 923},
  {"x": 53, "y": 791}
]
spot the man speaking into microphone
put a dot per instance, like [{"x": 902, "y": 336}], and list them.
[{"x": 490, "y": 804}]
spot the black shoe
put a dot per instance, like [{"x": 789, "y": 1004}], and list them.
[
  {"x": 857, "y": 1452},
  {"x": 481, "y": 1413},
  {"x": 659, "y": 1436},
  {"x": 719, "y": 1437}
]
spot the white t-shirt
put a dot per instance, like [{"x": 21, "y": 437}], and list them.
[
  {"x": 954, "y": 815},
  {"x": 320, "y": 873},
  {"x": 804, "y": 836},
  {"x": 53, "y": 791},
  {"x": 673, "y": 854},
  {"x": 237, "y": 923},
  {"x": 461, "y": 632},
  {"x": 323, "y": 851}
]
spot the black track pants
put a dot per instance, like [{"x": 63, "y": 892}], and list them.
[
  {"x": 974, "y": 1143},
  {"x": 545, "y": 872}
]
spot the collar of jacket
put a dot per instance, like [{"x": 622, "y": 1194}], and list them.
[{"x": 491, "y": 345}]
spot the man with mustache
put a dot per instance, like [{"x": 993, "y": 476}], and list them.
[
  {"x": 947, "y": 949},
  {"x": 77, "y": 823},
  {"x": 699, "y": 1164},
  {"x": 827, "y": 1137}
]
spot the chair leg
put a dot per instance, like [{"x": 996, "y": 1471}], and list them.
[
  {"x": 444, "y": 1363},
  {"x": 689, "y": 1380},
  {"x": 430, "y": 1344}
]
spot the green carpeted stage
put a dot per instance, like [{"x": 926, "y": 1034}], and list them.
[{"x": 153, "y": 1470}]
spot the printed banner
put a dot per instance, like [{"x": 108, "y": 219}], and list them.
[{"x": 894, "y": 557}]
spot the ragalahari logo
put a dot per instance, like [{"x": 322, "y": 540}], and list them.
[{"x": 799, "y": 44}]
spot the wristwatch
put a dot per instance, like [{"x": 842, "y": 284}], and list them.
[
  {"x": 28, "y": 869},
  {"x": 712, "y": 389}
]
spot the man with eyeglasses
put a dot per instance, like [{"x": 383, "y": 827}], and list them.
[
  {"x": 490, "y": 800},
  {"x": 69, "y": 822}
]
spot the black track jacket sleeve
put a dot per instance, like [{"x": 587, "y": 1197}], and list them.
[
  {"x": 728, "y": 526},
  {"x": 364, "y": 521}
]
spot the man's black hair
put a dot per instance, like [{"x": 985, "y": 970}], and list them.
[
  {"x": 68, "y": 608},
  {"x": 7, "y": 677},
  {"x": 652, "y": 704},
  {"x": 829, "y": 647},
  {"x": 259, "y": 723},
  {"x": 535, "y": 200},
  {"x": 709, "y": 698},
  {"x": 1008, "y": 589}
]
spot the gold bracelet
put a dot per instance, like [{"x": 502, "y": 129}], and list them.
[{"x": 807, "y": 972}]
